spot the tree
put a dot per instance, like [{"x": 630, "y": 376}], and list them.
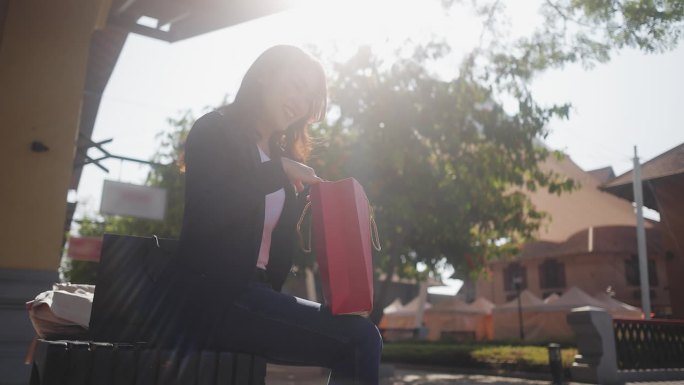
[
  {"x": 168, "y": 175},
  {"x": 444, "y": 164},
  {"x": 441, "y": 162},
  {"x": 588, "y": 32}
]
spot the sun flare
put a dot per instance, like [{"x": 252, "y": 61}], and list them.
[{"x": 370, "y": 21}]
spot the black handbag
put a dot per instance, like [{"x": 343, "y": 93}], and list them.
[
  {"x": 127, "y": 286},
  {"x": 130, "y": 283}
]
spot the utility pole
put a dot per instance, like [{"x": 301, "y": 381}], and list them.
[
  {"x": 420, "y": 331},
  {"x": 517, "y": 282},
  {"x": 641, "y": 239}
]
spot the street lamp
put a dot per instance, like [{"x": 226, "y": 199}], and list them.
[{"x": 517, "y": 283}]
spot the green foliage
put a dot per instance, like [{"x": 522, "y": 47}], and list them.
[
  {"x": 475, "y": 355},
  {"x": 572, "y": 31},
  {"x": 525, "y": 356},
  {"x": 169, "y": 176},
  {"x": 651, "y": 26},
  {"x": 431, "y": 354},
  {"x": 445, "y": 165},
  {"x": 84, "y": 272},
  {"x": 441, "y": 161}
]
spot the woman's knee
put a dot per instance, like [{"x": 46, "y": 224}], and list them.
[{"x": 366, "y": 333}]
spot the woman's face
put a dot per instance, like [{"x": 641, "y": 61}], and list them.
[{"x": 288, "y": 96}]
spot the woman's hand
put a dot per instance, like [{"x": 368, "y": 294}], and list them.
[{"x": 299, "y": 174}]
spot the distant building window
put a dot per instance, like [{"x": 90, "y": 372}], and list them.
[
  {"x": 551, "y": 274},
  {"x": 513, "y": 271},
  {"x": 632, "y": 272}
]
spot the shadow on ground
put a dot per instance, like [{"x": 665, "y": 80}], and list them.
[
  {"x": 281, "y": 375},
  {"x": 403, "y": 377}
]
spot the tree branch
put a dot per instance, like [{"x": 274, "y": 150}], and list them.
[{"x": 565, "y": 16}]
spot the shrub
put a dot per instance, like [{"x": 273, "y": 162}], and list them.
[{"x": 487, "y": 355}]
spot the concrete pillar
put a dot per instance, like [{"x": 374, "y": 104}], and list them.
[
  {"x": 596, "y": 359},
  {"x": 43, "y": 59}
]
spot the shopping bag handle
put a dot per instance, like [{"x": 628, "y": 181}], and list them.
[
  {"x": 156, "y": 258},
  {"x": 375, "y": 237},
  {"x": 305, "y": 248},
  {"x": 375, "y": 240}
]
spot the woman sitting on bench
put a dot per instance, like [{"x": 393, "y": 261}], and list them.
[{"x": 243, "y": 173}]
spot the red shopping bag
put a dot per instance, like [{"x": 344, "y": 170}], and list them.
[{"x": 341, "y": 221}]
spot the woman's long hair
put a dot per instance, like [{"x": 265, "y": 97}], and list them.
[{"x": 295, "y": 142}]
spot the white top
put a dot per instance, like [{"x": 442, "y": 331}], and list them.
[{"x": 274, "y": 207}]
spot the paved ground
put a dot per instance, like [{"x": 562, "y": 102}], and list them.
[
  {"x": 281, "y": 375},
  {"x": 405, "y": 377},
  {"x": 278, "y": 375}
]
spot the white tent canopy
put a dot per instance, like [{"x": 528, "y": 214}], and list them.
[
  {"x": 456, "y": 319},
  {"x": 527, "y": 301},
  {"x": 552, "y": 298},
  {"x": 618, "y": 308},
  {"x": 572, "y": 298},
  {"x": 397, "y": 317},
  {"x": 451, "y": 304},
  {"x": 411, "y": 308},
  {"x": 544, "y": 321},
  {"x": 481, "y": 305},
  {"x": 456, "y": 305},
  {"x": 395, "y": 306}
]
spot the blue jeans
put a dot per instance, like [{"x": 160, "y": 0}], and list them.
[{"x": 289, "y": 330}]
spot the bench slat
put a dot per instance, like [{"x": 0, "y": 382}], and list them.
[
  {"x": 81, "y": 363},
  {"x": 207, "y": 368}
]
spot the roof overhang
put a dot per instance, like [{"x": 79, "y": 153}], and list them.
[
  {"x": 174, "y": 20},
  {"x": 665, "y": 170},
  {"x": 168, "y": 20}
]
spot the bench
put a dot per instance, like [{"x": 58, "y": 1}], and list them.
[
  {"x": 68, "y": 362},
  {"x": 111, "y": 352}
]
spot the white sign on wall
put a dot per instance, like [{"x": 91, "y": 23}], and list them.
[{"x": 133, "y": 200}]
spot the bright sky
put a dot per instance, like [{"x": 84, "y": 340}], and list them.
[{"x": 635, "y": 99}]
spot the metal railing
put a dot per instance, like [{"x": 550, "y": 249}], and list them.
[
  {"x": 649, "y": 344},
  {"x": 616, "y": 351}
]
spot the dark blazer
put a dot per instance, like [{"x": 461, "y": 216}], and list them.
[{"x": 225, "y": 188}]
